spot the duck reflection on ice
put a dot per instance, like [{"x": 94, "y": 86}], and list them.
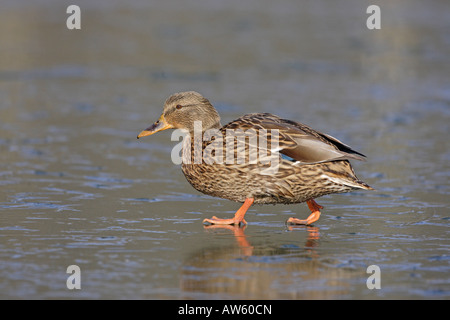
[
  {"x": 263, "y": 271},
  {"x": 247, "y": 249}
]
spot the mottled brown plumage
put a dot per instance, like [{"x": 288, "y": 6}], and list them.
[{"x": 304, "y": 163}]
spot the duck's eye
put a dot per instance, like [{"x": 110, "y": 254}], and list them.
[{"x": 179, "y": 106}]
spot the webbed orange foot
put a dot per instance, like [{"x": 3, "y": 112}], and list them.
[
  {"x": 313, "y": 217},
  {"x": 238, "y": 217},
  {"x": 217, "y": 221}
]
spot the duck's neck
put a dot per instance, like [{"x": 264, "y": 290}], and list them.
[
  {"x": 196, "y": 140},
  {"x": 192, "y": 148},
  {"x": 199, "y": 127}
]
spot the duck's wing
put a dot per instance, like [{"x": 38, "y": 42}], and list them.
[{"x": 296, "y": 141}]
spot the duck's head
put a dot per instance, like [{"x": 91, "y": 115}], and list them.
[{"x": 181, "y": 110}]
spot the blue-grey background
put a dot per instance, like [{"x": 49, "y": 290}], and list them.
[{"x": 76, "y": 187}]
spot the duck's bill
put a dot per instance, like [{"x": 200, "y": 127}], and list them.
[{"x": 159, "y": 125}]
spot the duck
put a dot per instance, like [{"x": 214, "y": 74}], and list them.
[{"x": 269, "y": 160}]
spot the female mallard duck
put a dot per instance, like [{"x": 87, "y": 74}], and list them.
[{"x": 309, "y": 164}]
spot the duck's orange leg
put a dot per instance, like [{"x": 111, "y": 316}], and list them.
[
  {"x": 238, "y": 217},
  {"x": 313, "y": 217}
]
